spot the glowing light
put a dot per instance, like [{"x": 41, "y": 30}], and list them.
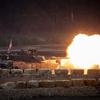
[
  {"x": 65, "y": 63},
  {"x": 84, "y": 51}
]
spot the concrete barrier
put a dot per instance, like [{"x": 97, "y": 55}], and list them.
[
  {"x": 90, "y": 82},
  {"x": 93, "y": 73},
  {"x": 77, "y": 73},
  {"x": 33, "y": 84},
  {"x": 8, "y": 85},
  {"x": 21, "y": 84},
  {"x": 47, "y": 83},
  {"x": 44, "y": 73},
  {"x": 98, "y": 85},
  {"x": 54, "y": 83},
  {"x": 4, "y": 72},
  {"x": 77, "y": 82},
  {"x": 63, "y": 83},
  {"x": 61, "y": 73},
  {"x": 16, "y": 72},
  {"x": 29, "y": 72}
]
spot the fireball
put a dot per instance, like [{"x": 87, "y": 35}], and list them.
[{"x": 84, "y": 51}]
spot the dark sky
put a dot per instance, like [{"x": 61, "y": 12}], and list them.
[{"x": 49, "y": 17}]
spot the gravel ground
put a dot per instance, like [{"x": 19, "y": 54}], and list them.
[{"x": 15, "y": 94}]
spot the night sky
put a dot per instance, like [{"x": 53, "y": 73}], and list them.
[{"x": 47, "y": 19}]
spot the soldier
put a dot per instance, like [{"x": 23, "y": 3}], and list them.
[{"x": 10, "y": 66}]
